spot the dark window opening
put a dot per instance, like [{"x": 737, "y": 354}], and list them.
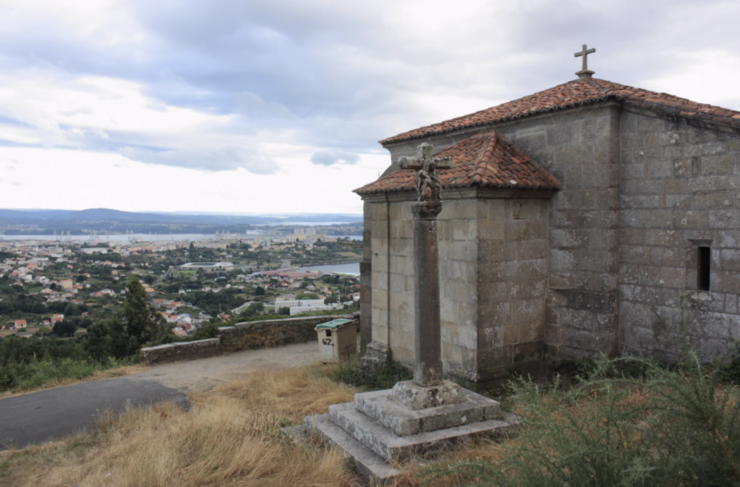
[{"x": 705, "y": 259}]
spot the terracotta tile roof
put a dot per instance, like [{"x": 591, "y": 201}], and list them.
[
  {"x": 484, "y": 160},
  {"x": 582, "y": 91}
]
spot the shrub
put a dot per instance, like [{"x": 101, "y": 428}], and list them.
[
  {"x": 652, "y": 427},
  {"x": 382, "y": 375}
]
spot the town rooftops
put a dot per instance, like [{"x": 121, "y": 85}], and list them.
[
  {"x": 484, "y": 160},
  {"x": 583, "y": 91}
]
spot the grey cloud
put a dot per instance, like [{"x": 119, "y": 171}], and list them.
[
  {"x": 206, "y": 159},
  {"x": 329, "y": 158}
]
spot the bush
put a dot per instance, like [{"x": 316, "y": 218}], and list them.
[
  {"x": 382, "y": 375},
  {"x": 667, "y": 427}
]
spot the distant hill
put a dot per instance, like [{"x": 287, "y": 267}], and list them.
[{"x": 100, "y": 214}]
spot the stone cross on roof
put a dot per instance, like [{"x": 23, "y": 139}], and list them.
[{"x": 584, "y": 72}]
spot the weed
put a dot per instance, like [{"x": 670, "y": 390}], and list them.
[
  {"x": 632, "y": 422},
  {"x": 382, "y": 375}
]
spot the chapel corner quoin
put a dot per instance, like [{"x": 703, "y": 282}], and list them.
[{"x": 574, "y": 220}]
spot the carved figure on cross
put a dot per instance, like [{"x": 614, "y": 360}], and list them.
[
  {"x": 584, "y": 52},
  {"x": 427, "y": 180}
]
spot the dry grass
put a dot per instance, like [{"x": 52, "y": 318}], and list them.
[{"x": 230, "y": 437}]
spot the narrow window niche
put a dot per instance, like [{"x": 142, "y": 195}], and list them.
[{"x": 704, "y": 270}]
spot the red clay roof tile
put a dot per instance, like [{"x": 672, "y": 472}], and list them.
[
  {"x": 579, "y": 92},
  {"x": 484, "y": 160}
]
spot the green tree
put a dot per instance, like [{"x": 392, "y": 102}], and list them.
[
  {"x": 259, "y": 291},
  {"x": 64, "y": 328},
  {"x": 119, "y": 344},
  {"x": 143, "y": 323},
  {"x": 98, "y": 341}
]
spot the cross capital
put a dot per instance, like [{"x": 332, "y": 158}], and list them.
[{"x": 584, "y": 52}]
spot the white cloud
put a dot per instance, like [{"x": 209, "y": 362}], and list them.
[
  {"x": 329, "y": 158},
  {"x": 258, "y": 103}
]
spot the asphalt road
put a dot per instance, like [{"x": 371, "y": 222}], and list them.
[
  {"x": 52, "y": 414},
  {"x": 55, "y": 413}
]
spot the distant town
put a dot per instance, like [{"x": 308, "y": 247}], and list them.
[{"x": 61, "y": 285}]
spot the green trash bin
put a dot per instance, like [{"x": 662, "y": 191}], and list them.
[{"x": 337, "y": 339}]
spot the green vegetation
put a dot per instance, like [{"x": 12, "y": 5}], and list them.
[
  {"x": 628, "y": 422},
  {"x": 383, "y": 375}
]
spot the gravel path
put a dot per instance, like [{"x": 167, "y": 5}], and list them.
[{"x": 206, "y": 373}]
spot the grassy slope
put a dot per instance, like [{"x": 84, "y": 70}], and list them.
[{"x": 230, "y": 437}]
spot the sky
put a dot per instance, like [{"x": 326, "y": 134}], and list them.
[{"x": 242, "y": 106}]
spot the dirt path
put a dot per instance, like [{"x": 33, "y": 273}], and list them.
[{"x": 204, "y": 374}]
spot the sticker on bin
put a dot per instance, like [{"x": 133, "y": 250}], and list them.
[{"x": 327, "y": 347}]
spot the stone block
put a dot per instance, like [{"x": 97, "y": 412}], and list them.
[
  {"x": 560, "y": 134},
  {"x": 494, "y": 314},
  {"x": 470, "y": 408},
  {"x": 396, "y": 211},
  {"x": 660, "y": 169},
  {"x": 729, "y": 260},
  {"x": 721, "y": 164},
  {"x": 525, "y": 209},
  {"x": 682, "y": 167},
  {"x": 492, "y": 229},
  {"x": 379, "y": 212},
  {"x": 495, "y": 358},
  {"x": 596, "y": 128},
  {"x": 526, "y": 249},
  {"x": 633, "y": 171},
  {"x": 459, "y": 210},
  {"x": 729, "y": 219},
  {"x": 525, "y": 229},
  {"x": 708, "y": 183},
  {"x": 650, "y": 186},
  {"x": 646, "y": 124},
  {"x": 661, "y": 218},
  {"x": 562, "y": 260},
  {"x": 714, "y": 200},
  {"x": 684, "y": 219},
  {"x": 492, "y": 251},
  {"x": 492, "y": 209},
  {"x": 676, "y": 185},
  {"x": 628, "y": 123},
  {"x": 527, "y": 310},
  {"x": 599, "y": 175},
  {"x": 379, "y": 279}
]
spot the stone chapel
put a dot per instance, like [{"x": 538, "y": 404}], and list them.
[{"x": 588, "y": 218}]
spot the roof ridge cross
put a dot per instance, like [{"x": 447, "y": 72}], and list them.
[{"x": 584, "y": 52}]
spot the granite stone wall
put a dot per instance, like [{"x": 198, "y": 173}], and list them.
[
  {"x": 601, "y": 266},
  {"x": 243, "y": 336},
  {"x": 679, "y": 188},
  {"x": 580, "y": 147}
]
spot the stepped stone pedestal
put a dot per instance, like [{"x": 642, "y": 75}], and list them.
[{"x": 380, "y": 433}]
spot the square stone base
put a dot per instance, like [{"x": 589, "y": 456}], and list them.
[
  {"x": 381, "y": 407},
  {"x": 380, "y": 434}
]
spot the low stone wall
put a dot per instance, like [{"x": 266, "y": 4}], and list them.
[
  {"x": 242, "y": 336},
  {"x": 173, "y": 352}
]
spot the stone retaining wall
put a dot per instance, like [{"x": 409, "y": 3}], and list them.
[{"x": 242, "y": 336}]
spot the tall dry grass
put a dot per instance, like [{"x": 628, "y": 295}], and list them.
[{"x": 230, "y": 437}]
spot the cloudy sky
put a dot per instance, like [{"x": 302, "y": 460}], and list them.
[{"x": 246, "y": 106}]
